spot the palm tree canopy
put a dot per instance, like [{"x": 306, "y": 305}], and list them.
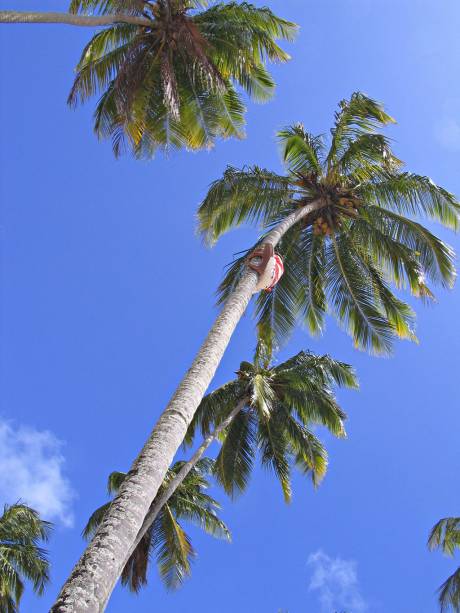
[
  {"x": 362, "y": 238},
  {"x": 21, "y": 531},
  {"x": 173, "y": 84},
  {"x": 166, "y": 539},
  {"x": 445, "y": 535},
  {"x": 282, "y": 403}
]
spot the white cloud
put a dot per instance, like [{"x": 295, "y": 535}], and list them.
[
  {"x": 31, "y": 470},
  {"x": 336, "y": 582}
]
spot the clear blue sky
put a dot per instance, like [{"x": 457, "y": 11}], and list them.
[{"x": 97, "y": 326}]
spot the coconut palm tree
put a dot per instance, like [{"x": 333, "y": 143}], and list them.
[
  {"x": 344, "y": 217},
  {"x": 445, "y": 535},
  {"x": 166, "y": 539},
  {"x": 267, "y": 411},
  {"x": 279, "y": 405},
  {"x": 167, "y": 71},
  {"x": 21, "y": 531}
]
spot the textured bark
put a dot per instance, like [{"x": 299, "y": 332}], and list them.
[
  {"x": 95, "y": 575},
  {"x": 184, "y": 471},
  {"x": 71, "y": 19}
]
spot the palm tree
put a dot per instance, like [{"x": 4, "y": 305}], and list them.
[
  {"x": 279, "y": 406},
  {"x": 267, "y": 410},
  {"x": 165, "y": 538},
  {"x": 445, "y": 535},
  {"x": 21, "y": 531},
  {"x": 344, "y": 262},
  {"x": 167, "y": 70}
]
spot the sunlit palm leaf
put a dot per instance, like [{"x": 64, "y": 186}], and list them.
[{"x": 345, "y": 255}]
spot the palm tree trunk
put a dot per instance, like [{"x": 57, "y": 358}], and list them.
[
  {"x": 71, "y": 19},
  {"x": 184, "y": 471},
  {"x": 95, "y": 575}
]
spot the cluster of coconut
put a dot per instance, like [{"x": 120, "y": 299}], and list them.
[
  {"x": 321, "y": 227},
  {"x": 350, "y": 203},
  {"x": 325, "y": 226}
]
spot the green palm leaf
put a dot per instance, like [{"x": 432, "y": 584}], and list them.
[
  {"x": 166, "y": 539},
  {"x": 449, "y": 593},
  {"x": 21, "y": 557},
  {"x": 236, "y": 456},
  {"x": 361, "y": 237},
  {"x": 172, "y": 548},
  {"x": 281, "y": 402},
  {"x": 173, "y": 84},
  {"x": 446, "y": 536},
  {"x": 353, "y": 300}
]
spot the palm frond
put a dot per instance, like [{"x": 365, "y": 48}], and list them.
[
  {"x": 236, "y": 456},
  {"x": 114, "y": 482},
  {"x": 21, "y": 530},
  {"x": 135, "y": 571},
  {"x": 95, "y": 521},
  {"x": 436, "y": 259},
  {"x": 449, "y": 593},
  {"x": 174, "y": 84},
  {"x": 301, "y": 151},
  {"x": 357, "y": 116},
  {"x": 353, "y": 300},
  {"x": 311, "y": 264},
  {"x": 446, "y": 535},
  {"x": 172, "y": 548},
  {"x": 412, "y": 194},
  {"x": 240, "y": 197},
  {"x": 214, "y": 408},
  {"x": 310, "y": 454},
  {"x": 200, "y": 509},
  {"x": 273, "y": 445}
]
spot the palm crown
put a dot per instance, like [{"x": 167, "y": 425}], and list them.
[
  {"x": 361, "y": 238},
  {"x": 281, "y": 403},
  {"x": 166, "y": 538},
  {"x": 446, "y": 536},
  {"x": 21, "y": 531},
  {"x": 173, "y": 83}
]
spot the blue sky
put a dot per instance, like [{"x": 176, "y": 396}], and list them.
[{"x": 99, "y": 322}]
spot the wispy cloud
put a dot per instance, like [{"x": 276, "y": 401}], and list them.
[
  {"x": 336, "y": 582},
  {"x": 31, "y": 470}
]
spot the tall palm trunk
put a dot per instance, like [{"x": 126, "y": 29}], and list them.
[
  {"x": 95, "y": 575},
  {"x": 184, "y": 471},
  {"x": 71, "y": 19}
]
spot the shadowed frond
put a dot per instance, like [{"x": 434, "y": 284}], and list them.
[
  {"x": 173, "y": 83},
  {"x": 446, "y": 536},
  {"x": 449, "y": 593},
  {"x": 214, "y": 408},
  {"x": 236, "y": 456}
]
